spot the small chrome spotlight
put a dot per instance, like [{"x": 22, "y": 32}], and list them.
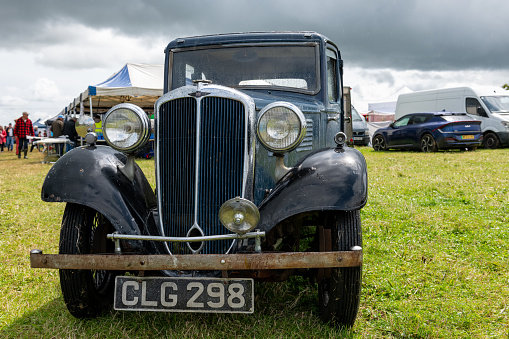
[
  {"x": 90, "y": 138},
  {"x": 239, "y": 215},
  {"x": 340, "y": 139}
]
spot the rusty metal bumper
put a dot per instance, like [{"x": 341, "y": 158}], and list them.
[{"x": 256, "y": 261}]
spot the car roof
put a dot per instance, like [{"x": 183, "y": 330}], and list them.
[
  {"x": 248, "y": 37},
  {"x": 437, "y": 113}
]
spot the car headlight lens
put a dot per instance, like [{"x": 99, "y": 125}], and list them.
[
  {"x": 281, "y": 127},
  {"x": 239, "y": 215},
  {"x": 126, "y": 128},
  {"x": 505, "y": 124}
]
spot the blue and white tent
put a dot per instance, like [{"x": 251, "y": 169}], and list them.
[
  {"x": 39, "y": 123},
  {"x": 140, "y": 84}
]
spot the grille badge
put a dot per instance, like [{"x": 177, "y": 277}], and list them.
[{"x": 198, "y": 94}]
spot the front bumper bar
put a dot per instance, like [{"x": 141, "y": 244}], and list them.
[{"x": 256, "y": 261}]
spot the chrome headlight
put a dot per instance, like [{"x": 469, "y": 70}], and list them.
[
  {"x": 126, "y": 128},
  {"x": 281, "y": 127}
]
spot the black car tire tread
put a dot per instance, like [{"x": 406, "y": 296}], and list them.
[
  {"x": 490, "y": 141},
  {"x": 81, "y": 296},
  {"x": 339, "y": 295}
]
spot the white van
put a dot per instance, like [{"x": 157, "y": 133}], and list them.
[{"x": 488, "y": 104}]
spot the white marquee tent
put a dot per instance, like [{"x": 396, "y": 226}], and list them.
[
  {"x": 388, "y": 105},
  {"x": 381, "y": 113},
  {"x": 140, "y": 84}
]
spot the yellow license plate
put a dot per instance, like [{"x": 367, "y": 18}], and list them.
[{"x": 467, "y": 137}]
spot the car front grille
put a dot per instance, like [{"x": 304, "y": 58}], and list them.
[{"x": 201, "y": 153}]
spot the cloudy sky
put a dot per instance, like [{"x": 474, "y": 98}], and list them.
[{"x": 51, "y": 50}]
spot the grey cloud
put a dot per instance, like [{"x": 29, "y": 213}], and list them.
[
  {"x": 399, "y": 34},
  {"x": 384, "y": 76}
]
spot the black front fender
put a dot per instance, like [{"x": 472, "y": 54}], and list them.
[
  {"x": 90, "y": 176},
  {"x": 330, "y": 179}
]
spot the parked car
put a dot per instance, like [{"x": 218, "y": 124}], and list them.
[
  {"x": 254, "y": 181},
  {"x": 488, "y": 104},
  {"x": 430, "y": 132},
  {"x": 359, "y": 128}
]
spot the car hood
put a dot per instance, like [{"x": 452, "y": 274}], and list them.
[
  {"x": 502, "y": 116},
  {"x": 359, "y": 125}
]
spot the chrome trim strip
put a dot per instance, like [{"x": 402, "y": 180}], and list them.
[
  {"x": 195, "y": 227},
  {"x": 249, "y": 235},
  {"x": 197, "y": 160}
]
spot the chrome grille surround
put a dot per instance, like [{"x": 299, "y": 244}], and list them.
[{"x": 188, "y": 199}]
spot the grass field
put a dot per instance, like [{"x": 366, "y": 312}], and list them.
[{"x": 436, "y": 254}]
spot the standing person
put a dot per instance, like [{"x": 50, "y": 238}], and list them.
[
  {"x": 3, "y": 138},
  {"x": 10, "y": 137},
  {"x": 98, "y": 124},
  {"x": 70, "y": 131},
  {"x": 22, "y": 129},
  {"x": 57, "y": 128}
]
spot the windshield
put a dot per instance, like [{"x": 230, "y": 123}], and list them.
[
  {"x": 355, "y": 115},
  {"x": 288, "y": 67},
  {"x": 498, "y": 104}
]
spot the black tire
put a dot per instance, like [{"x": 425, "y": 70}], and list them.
[
  {"x": 491, "y": 141},
  {"x": 428, "y": 143},
  {"x": 339, "y": 295},
  {"x": 87, "y": 293},
  {"x": 379, "y": 143}
]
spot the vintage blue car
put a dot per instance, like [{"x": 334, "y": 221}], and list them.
[
  {"x": 254, "y": 181},
  {"x": 430, "y": 132}
]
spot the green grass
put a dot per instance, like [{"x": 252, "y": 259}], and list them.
[{"x": 436, "y": 255}]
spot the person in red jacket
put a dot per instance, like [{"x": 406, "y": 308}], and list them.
[
  {"x": 3, "y": 138},
  {"x": 22, "y": 129}
]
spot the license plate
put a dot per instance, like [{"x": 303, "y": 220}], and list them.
[
  {"x": 165, "y": 294},
  {"x": 358, "y": 138},
  {"x": 467, "y": 137}
]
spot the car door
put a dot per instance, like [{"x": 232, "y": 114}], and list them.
[
  {"x": 334, "y": 91},
  {"x": 477, "y": 112},
  {"x": 398, "y": 133},
  {"x": 415, "y": 128}
]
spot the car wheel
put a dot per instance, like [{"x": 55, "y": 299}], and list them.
[
  {"x": 87, "y": 293},
  {"x": 339, "y": 295},
  {"x": 491, "y": 141},
  {"x": 428, "y": 143},
  {"x": 379, "y": 143}
]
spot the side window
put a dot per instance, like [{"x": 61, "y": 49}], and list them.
[
  {"x": 475, "y": 108},
  {"x": 420, "y": 119},
  {"x": 332, "y": 76},
  {"x": 402, "y": 122}
]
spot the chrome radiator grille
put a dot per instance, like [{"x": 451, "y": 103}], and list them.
[{"x": 201, "y": 146}]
